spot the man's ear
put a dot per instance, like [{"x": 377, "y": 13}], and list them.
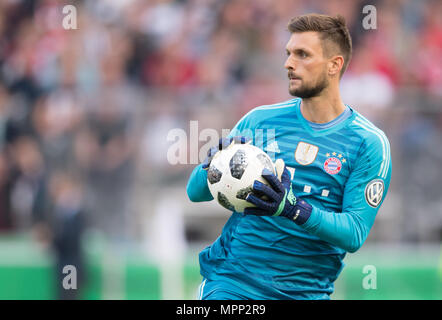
[{"x": 335, "y": 65}]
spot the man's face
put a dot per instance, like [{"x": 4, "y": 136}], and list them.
[{"x": 306, "y": 65}]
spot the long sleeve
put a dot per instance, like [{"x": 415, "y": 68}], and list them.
[
  {"x": 364, "y": 193},
  {"x": 197, "y": 189}
]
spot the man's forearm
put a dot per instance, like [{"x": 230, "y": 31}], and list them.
[
  {"x": 197, "y": 189},
  {"x": 345, "y": 230}
]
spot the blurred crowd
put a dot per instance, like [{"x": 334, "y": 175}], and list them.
[{"x": 84, "y": 113}]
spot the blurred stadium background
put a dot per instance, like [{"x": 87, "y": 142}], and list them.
[{"x": 85, "y": 115}]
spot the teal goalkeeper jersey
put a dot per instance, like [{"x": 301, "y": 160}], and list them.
[{"x": 343, "y": 171}]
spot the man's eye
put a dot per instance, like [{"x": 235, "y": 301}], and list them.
[{"x": 302, "y": 54}]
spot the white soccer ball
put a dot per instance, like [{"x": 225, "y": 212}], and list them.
[{"x": 232, "y": 172}]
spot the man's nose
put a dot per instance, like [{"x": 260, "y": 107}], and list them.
[{"x": 289, "y": 64}]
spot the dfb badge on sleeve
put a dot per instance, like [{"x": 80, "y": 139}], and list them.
[{"x": 374, "y": 192}]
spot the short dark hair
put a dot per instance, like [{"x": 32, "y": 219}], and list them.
[{"x": 333, "y": 29}]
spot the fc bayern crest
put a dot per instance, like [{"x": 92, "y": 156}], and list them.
[{"x": 332, "y": 165}]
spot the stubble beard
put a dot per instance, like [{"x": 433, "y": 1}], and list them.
[{"x": 305, "y": 92}]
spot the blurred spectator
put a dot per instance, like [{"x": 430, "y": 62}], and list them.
[
  {"x": 29, "y": 183},
  {"x": 110, "y": 171},
  {"x": 378, "y": 93},
  {"x": 420, "y": 177},
  {"x": 68, "y": 222},
  {"x": 6, "y": 216}
]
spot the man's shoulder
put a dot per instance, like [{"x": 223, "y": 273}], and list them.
[
  {"x": 257, "y": 115},
  {"x": 268, "y": 110},
  {"x": 366, "y": 129},
  {"x": 373, "y": 139}
]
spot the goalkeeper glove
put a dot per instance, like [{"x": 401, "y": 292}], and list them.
[
  {"x": 281, "y": 199},
  {"x": 223, "y": 144}
]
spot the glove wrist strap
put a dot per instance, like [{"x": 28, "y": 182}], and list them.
[
  {"x": 299, "y": 213},
  {"x": 302, "y": 211}
]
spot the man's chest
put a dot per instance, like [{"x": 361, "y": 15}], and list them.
[{"x": 320, "y": 166}]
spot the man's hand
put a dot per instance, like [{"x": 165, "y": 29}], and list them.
[
  {"x": 223, "y": 144},
  {"x": 281, "y": 199}
]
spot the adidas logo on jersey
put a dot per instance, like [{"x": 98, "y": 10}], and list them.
[{"x": 273, "y": 147}]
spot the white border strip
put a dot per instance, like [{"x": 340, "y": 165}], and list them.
[
  {"x": 385, "y": 145},
  {"x": 201, "y": 288}
]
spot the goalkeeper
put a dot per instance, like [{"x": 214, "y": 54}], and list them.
[{"x": 333, "y": 167}]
